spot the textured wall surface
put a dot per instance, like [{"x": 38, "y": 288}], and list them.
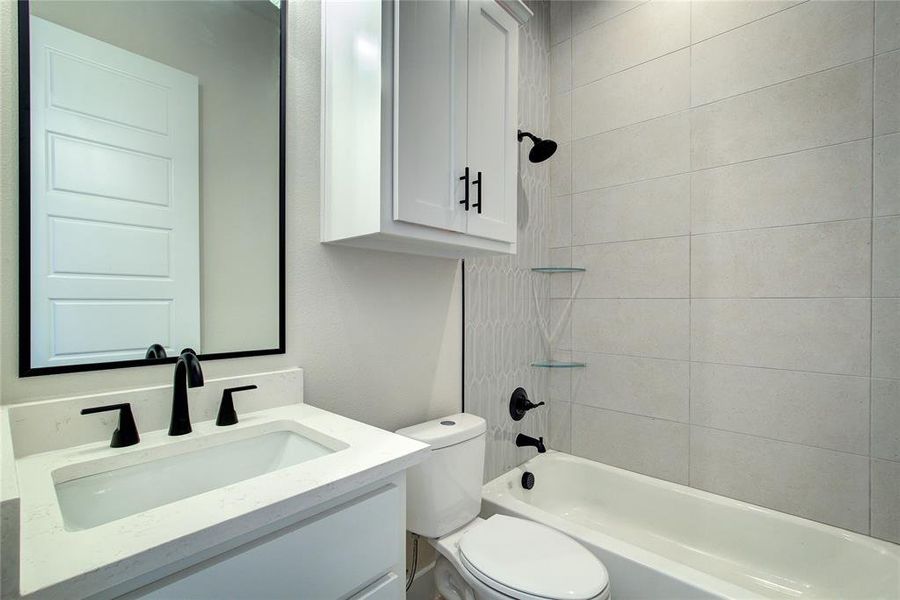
[
  {"x": 377, "y": 333},
  {"x": 731, "y": 185},
  {"x": 504, "y": 299}
]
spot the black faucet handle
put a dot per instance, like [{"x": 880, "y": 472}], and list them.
[
  {"x": 126, "y": 434},
  {"x": 227, "y": 415},
  {"x": 519, "y": 404}
]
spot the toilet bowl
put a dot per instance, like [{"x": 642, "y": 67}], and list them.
[{"x": 497, "y": 558}]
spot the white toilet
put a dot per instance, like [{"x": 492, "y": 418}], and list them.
[{"x": 498, "y": 558}]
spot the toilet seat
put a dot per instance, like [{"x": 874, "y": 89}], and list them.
[{"x": 530, "y": 561}]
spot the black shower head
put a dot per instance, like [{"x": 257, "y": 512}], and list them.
[{"x": 542, "y": 149}]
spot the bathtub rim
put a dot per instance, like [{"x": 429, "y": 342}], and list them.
[{"x": 495, "y": 495}]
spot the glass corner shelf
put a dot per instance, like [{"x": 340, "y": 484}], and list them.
[
  {"x": 558, "y": 269},
  {"x": 558, "y": 364}
]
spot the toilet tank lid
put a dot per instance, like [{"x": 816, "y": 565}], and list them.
[{"x": 446, "y": 431}]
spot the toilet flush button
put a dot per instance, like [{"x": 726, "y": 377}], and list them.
[{"x": 448, "y": 422}]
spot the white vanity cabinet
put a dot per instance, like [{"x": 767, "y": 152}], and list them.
[
  {"x": 419, "y": 125},
  {"x": 353, "y": 550}
]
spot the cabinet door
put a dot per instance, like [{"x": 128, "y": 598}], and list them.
[
  {"x": 430, "y": 112},
  {"x": 493, "y": 104},
  {"x": 329, "y": 556}
]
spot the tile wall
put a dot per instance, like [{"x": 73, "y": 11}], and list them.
[
  {"x": 504, "y": 299},
  {"x": 729, "y": 175}
]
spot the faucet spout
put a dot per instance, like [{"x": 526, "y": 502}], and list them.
[
  {"x": 187, "y": 374},
  {"x": 523, "y": 440}
]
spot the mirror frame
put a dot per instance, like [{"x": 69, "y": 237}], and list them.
[{"x": 25, "y": 367}]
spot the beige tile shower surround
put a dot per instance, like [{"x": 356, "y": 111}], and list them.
[
  {"x": 502, "y": 332},
  {"x": 729, "y": 175}
]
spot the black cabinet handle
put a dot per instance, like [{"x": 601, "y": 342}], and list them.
[
  {"x": 227, "y": 415},
  {"x": 465, "y": 178},
  {"x": 126, "y": 434},
  {"x": 477, "y": 182}
]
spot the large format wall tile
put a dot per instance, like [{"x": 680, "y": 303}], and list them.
[
  {"x": 560, "y": 436},
  {"x": 561, "y": 221},
  {"x": 886, "y": 500},
  {"x": 754, "y": 148},
  {"x": 886, "y": 418},
  {"x": 826, "y": 108},
  {"x": 650, "y": 446},
  {"x": 561, "y": 283},
  {"x": 823, "y": 485},
  {"x": 828, "y": 411},
  {"x": 653, "y": 89},
  {"x": 886, "y": 337},
  {"x": 560, "y": 21},
  {"x": 647, "y": 32},
  {"x": 826, "y": 184},
  {"x": 821, "y": 260},
  {"x": 713, "y": 17},
  {"x": 802, "y": 40},
  {"x": 887, "y": 25},
  {"x": 652, "y": 328},
  {"x": 887, "y": 175},
  {"x": 886, "y": 257},
  {"x": 561, "y": 171},
  {"x": 643, "y": 269},
  {"x": 560, "y": 118},
  {"x": 646, "y": 386},
  {"x": 887, "y": 93},
  {"x": 823, "y": 335},
  {"x": 651, "y": 149},
  {"x": 561, "y": 68},
  {"x": 587, "y": 13},
  {"x": 648, "y": 209}
]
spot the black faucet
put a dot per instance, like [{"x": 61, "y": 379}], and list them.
[
  {"x": 523, "y": 440},
  {"x": 187, "y": 371}
]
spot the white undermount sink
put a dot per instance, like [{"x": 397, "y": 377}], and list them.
[{"x": 108, "y": 495}]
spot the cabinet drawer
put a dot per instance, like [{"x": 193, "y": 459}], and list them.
[
  {"x": 389, "y": 587},
  {"x": 323, "y": 558}
]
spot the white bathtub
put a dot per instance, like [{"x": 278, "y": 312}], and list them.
[{"x": 666, "y": 541}]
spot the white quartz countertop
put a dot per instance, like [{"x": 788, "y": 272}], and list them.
[{"x": 56, "y": 563}]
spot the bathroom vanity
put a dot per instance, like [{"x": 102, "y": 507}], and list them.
[{"x": 291, "y": 501}]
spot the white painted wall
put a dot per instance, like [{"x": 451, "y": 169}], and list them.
[{"x": 378, "y": 334}]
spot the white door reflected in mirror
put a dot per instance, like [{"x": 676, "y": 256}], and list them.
[
  {"x": 115, "y": 192},
  {"x": 153, "y": 199}
]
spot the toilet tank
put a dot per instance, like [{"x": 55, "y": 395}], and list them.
[{"x": 443, "y": 493}]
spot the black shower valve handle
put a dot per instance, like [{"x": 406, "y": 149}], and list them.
[{"x": 519, "y": 404}]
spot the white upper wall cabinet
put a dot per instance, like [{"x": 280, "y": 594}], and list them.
[{"x": 419, "y": 125}]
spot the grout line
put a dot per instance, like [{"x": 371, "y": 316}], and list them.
[
  {"x": 710, "y": 168},
  {"x": 880, "y": 54},
  {"x": 626, "y": 69},
  {"x": 722, "y": 232},
  {"x": 598, "y": 23},
  {"x": 725, "y": 364},
  {"x": 872, "y": 269},
  {"x": 711, "y": 102},
  {"x": 745, "y": 24},
  {"x": 690, "y": 259},
  {"x": 691, "y": 41},
  {"x": 712, "y": 428},
  {"x": 725, "y": 298}
]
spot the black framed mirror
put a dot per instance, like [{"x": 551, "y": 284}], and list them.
[{"x": 151, "y": 177}]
